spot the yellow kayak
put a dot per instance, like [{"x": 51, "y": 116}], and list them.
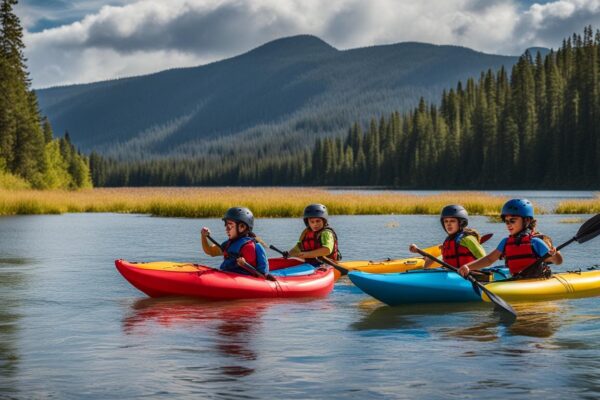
[
  {"x": 389, "y": 266},
  {"x": 564, "y": 285},
  {"x": 385, "y": 266},
  {"x": 399, "y": 265}
]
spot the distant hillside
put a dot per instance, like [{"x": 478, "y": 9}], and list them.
[{"x": 277, "y": 97}]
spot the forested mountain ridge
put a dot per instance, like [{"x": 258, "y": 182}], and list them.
[
  {"x": 275, "y": 98},
  {"x": 535, "y": 126}
]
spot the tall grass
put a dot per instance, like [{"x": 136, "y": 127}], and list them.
[
  {"x": 591, "y": 206},
  {"x": 213, "y": 202}
]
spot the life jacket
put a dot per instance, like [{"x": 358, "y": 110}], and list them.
[
  {"x": 232, "y": 250},
  {"x": 454, "y": 253},
  {"x": 519, "y": 254},
  {"x": 311, "y": 240}
]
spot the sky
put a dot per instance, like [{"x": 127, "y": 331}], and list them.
[{"x": 79, "y": 41}]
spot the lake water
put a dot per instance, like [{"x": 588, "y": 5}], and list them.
[{"x": 71, "y": 327}]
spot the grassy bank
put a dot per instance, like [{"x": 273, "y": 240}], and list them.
[
  {"x": 590, "y": 206},
  {"x": 212, "y": 202}
]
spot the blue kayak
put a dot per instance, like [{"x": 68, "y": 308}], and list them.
[
  {"x": 421, "y": 286},
  {"x": 298, "y": 270}
]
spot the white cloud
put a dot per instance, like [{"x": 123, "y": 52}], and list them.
[{"x": 151, "y": 35}]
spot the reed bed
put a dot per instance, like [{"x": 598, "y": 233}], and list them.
[
  {"x": 213, "y": 202},
  {"x": 589, "y": 206}
]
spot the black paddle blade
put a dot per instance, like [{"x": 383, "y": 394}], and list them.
[
  {"x": 589, "y": 230},
  {"x": 499, "y": 302},
  {"x": 495, "y": 299}
]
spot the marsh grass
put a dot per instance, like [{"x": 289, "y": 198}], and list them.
[
  {"x": 572, "y": 221},
  {"x": 591, "y": 206},
  {"x": 213, "y": 202}
]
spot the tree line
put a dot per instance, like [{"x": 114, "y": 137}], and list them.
[
  {"x": 535, "y": 127},
  {"x": 27, "y": 147}
]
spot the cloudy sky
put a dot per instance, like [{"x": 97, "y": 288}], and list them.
[{"x": 75, "y": 41}]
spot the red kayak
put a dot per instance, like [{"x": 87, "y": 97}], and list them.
[{"x": 166, "y": 278}]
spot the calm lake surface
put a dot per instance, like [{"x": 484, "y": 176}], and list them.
[{"x": 71, "y": 327}]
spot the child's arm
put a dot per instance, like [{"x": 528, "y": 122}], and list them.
[
  {"x": 209, "y": 248},
  {"x": 557, "y": 258},
  {"x": 480, "y": 263},
  {"x": 541, "y": 248},
  {"x": 327, "y": 241},
  {"x": 322, "y": 252},
  {"x": 294, "y": 251},
  {"x": 428, "y": 262}
]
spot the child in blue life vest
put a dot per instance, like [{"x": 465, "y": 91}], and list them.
[
  {"x": 318, "y": 239},
  {"x": 241, "y": 247},
  {"x": 522, "y": 247},
  {"x": 462, "y": 244}
]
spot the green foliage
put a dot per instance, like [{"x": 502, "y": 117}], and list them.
[
  {"x": 27, "y": 149},
  {"x": 12, "y": 182}
]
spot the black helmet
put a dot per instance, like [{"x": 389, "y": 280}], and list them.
[
  {"x": 455, "y": 211},
  {"x": 240, "y": 214},
  {"x": 315, "y": 211}
]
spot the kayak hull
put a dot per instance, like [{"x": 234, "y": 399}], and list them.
[
  {"x": 421, "y": 286},
  {"x": 159, "y": 279},
  {"x": 385, "y": 266},
  {"x": 567, "y": 285},
  {"x": 391, "y": 265}
]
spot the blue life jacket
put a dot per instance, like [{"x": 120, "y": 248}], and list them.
[{"x": 232, "y": 250}]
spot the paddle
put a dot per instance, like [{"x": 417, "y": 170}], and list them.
[
  {"x": 589, "y": 230},
  {"x": 325, "y": 260},
  {"x": 246, "y": 266},
  {"x": 485, "y": 238},
  {"x": 343, "y": 271},
  {"x": 494, "y": 298}
]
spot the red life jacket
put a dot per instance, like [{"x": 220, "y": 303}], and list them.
[
  {"x": 518, "y": 252},
  {"x": 311, "y": 240},
  {"x": 456, "y": 254}
]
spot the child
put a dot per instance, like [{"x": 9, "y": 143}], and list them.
[
  {"x": 241, "y": 246},
  {"x": 462, "y": 244},
  {"x": 318, "y": 239},
  {"x": 522, "y": 247}
]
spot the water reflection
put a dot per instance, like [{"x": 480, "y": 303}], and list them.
[
  {"x": 413, "y": 316},
  {"x": 539, "y": 320},
  {"x": 237, "y": 324},
  {"x": 10, "y": 281}
]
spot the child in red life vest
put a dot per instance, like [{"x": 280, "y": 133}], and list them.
[
  {"x": 318, "y": 239},
  {"x": 241, "y": 247},
  {"x": 522, "y": 247},
  {"x": 462, "y": 244}
]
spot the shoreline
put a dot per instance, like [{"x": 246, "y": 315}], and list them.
[{"x": 264, "y": 202}]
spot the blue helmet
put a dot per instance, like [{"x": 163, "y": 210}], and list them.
[{"x": 521, "y": 207}]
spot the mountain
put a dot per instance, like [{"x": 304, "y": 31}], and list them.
[{"x": 277, "y": 97}]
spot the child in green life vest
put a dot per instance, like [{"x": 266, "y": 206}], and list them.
[
  {"x": 318, "y": 239},
  {"x": 462, "y": 244}
]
